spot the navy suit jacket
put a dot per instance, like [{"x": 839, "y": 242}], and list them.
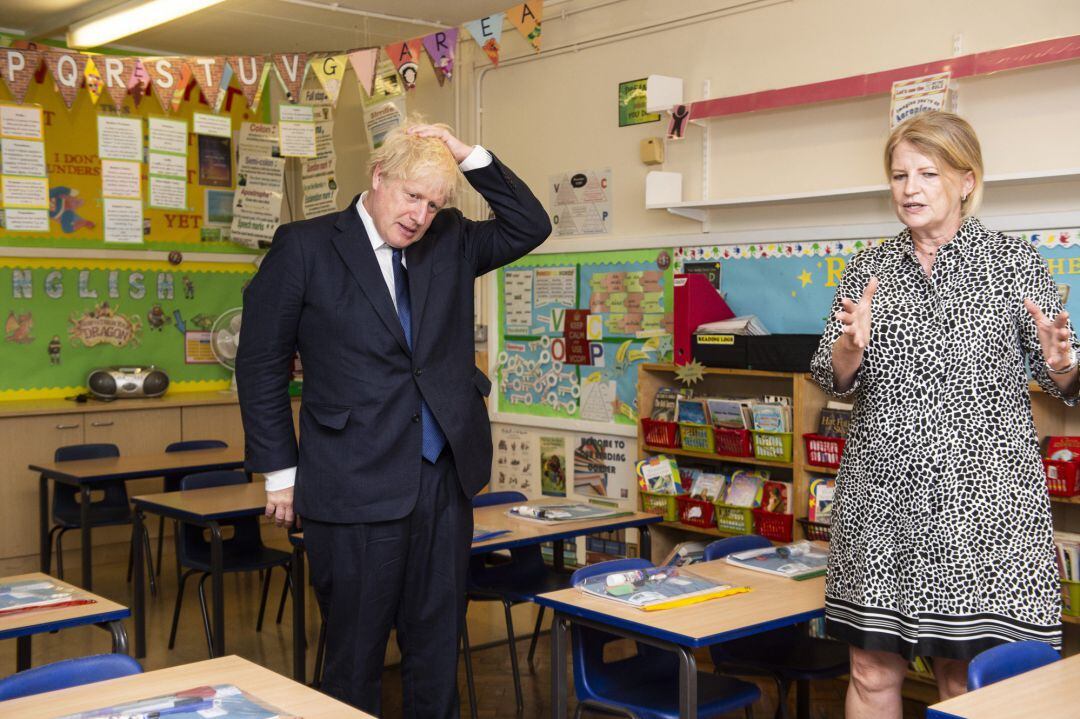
[{"x": 320, "y": 290}]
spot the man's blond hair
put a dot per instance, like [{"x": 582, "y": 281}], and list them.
[{"x": 411, "y": 157}]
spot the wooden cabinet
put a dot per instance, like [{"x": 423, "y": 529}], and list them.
[{"x": 214, "y": 422}]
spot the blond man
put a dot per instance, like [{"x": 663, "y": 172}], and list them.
[{"x": 394, "y": 433}]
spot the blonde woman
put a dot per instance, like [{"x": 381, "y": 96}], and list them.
[{"x": 942, "y": 538}]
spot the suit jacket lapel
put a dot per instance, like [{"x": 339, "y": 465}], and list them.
[
  {"x": 353, "y": 245},
  {"x": 418, "y": 258}
]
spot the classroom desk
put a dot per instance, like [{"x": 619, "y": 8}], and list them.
[
  {"x": 21, "y": 626},
  {"x": 773, "y": 602},
  {"x": 204, "y": 508},
  {"x": 521, "y": 533},
  {"x": 85, "y": 474},
  {"x": 272, "y": 688},
  {"x": 1049, "y": 691}
]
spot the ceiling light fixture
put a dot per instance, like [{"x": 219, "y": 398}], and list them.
[{"x": 130, "y": 18}]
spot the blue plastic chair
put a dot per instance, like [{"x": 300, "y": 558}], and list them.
[
  {"x": 1008, "y": 660},
  {"x": 642, "y": 686},
  {"x": 243, "y": 552},
  {"x": 494, "y": 578},
  {"x": 785, "y": 655},
  {"x": 172, "y": 484},
  {"x": 67, "y": 673},
  {"x": 112, "y": 509}
]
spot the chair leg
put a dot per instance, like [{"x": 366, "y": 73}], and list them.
[
  {"x": 49, "y": 547},
  {"x": 176, "y": 609},
  {"x": 285, "y": 589},
  {"x": 783, "y": 687},
  {"x": 176, "y": 549},
  {"x": 535, "y": 636},
  {"x": 512, "y": 643},
  {"x": 466, "y": 652},
  {"x": 60, "y": 552},
  {"x": 320, "y": 654},
  {"x": 262, "y": 602},
  {"x": 149, "y": 562},
  {"x": 160, "y": 540},
  {"x": 206, "y": 615},
  {"x": 749, "y": 710}
]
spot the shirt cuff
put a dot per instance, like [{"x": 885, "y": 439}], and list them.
[
  {"x": 280, "y": 479},
  {"x": 479, "y": 157}
]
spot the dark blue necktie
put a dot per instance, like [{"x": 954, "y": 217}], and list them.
[{"x": 432, "y": 438}]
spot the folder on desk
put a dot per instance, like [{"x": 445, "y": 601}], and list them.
[{"x": 696, "y": 302}]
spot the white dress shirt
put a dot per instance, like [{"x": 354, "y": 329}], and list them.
[{"x": 479, "y": 157}]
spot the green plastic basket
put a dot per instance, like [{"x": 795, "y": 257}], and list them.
[
  {"x": 774, "y": 446},
  {"x": 1070, "y": 598},
  {"x": 662, "y": 504},
  {"x": 737, "y": 520},
  {"x": 697, "y": 437}
]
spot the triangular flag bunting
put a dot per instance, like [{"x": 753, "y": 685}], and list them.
[
  {"x": 164, "y": 73},
  {"x": 330, "y": 70},
  {"x": 248, "y": 71},
  {"x": 226, "y": 78},
  {"x": 363, "y": 64},
  {"x": 116, "y": 75},
  {"x": 526, "y": 18},
  {"x": 18, "y": 68},
  {"x": 405, "y": 56},
  {"x": 487, "y": 32},
  {"x": 440, "y": 48},
  {"x": 291, "y": 68},
  {"x": 67, "y": 69},
  {"x": 92, "y": 77},
  {"x": 207, "y": 72},
  {"x": 180, "y": 89}
]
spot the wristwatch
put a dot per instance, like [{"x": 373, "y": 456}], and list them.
[{"x": 1071, "y": 366}]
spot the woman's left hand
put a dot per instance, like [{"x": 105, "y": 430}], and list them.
[{"x": 1054, "y": 336}]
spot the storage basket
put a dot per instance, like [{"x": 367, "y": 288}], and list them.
[
  {"x": 773, "y": 525},
  {"x": 695, "y": 512},
  {"x": 815, "y": 531},
  {"x": 658, "y": 433},
  {"x": 696, "y": 437},
  {"x": 1070, "y": 598},
  {"x": 733, "y": 442},
  {"x": 661, "y": 504},
  {"x": 734, "y": 520},
  {"x": 1061, "y": 478},
  {"x": 823, "y": 451},
  {"x": 774, "y": 446}
]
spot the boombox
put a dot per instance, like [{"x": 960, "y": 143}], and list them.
[{"x": 118, "y": 382}]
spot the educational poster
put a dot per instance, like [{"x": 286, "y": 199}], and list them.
[
  {"x": 632, "y": 103},
  {"x": 790, "y": 286},
  {"x": 24, "y": 186},
  {"x": 573, "y": 329},
  {"x": 553, "y": 466},
  {"x": 604, "y": 467},
  {"x": 580, "y": 202},
  {"x": 64, "y": 317},
  {"x": 72, "y": 158},
  {"x": 516, "y": 460}
]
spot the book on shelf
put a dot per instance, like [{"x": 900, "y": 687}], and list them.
[
  {"x": 685, "y": 553},
  {"x": 655, "y": 588},
  {"x": 745, "y": 488},
  {"x": 821, "y": 490},
  {"x": 659, "y": 475},
  {"x": 562, "y": 512},
  {"x": 742, "y": 325},
  {"x": 708, "y": 487},
  {"x": 1067, "y": 547},
  {"x": 776, "y": 496},
  {"x": 798, "y": 560},
  {"x": 693, "y": 411},
  {"x": 771, "y": 416},
  {"x": 730, "y": 412},
  {"x": 834, "y": 422},
  {"x": 665, "y": 404},
  {"x": 1063, "y": 449},
  {"x": 225, "y": 701}
]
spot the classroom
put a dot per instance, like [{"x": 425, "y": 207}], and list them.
[{"x": 600, "y": 358}]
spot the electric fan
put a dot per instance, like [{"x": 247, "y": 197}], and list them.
[{"x": 225, "y": 340}]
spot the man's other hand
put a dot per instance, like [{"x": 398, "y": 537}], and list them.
[{"x": 279, "y": 507}]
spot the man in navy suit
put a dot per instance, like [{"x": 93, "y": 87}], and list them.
[{"x": 394, "y": 433}]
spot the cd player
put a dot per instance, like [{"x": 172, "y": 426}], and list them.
[{"x": 119, "y": 382}]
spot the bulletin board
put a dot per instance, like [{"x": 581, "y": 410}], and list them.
[
  {"x": 573, "y": 328},
  {"x": 64, "y": 318},
  {"x": 74, "y": 172}
]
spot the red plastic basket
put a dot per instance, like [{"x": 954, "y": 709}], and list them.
[
  {"x": 733, "y": 442},
  {"x": 823, "y": 451},
  {"x": 774, "y": 526},
  {"x": 658, "y": 433},
  {"x": 1061, "y": 478},
  {"x": 695, "y": 512}
]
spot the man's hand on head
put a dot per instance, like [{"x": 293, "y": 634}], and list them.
[
  {"x": 279, "y": 507},
  {"x": 457, "y": 148}
]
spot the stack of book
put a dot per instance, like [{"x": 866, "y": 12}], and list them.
[
  {"x": 771, "y": 413},
  {"x": 742, "y": 325}
]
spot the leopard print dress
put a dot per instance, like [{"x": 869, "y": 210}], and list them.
[{"x": 942, "y": 540}]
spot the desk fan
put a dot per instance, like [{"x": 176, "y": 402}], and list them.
[{"x": 225, "y": 340}]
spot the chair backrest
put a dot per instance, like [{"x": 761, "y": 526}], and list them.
[
  {"x": 729, "y": 545},
  {"x": 486, "y": 499},
  {"x": 67, "y": 673},
  {"x": 189, "y": 445},
  {"x": 65, "y": 496},
  {"x": 246, "y": 534},
  {"x": 525, "y": 562},
  {"x": 1008, "y": 660}
]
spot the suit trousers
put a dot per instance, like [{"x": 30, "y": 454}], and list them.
[{"x": 408, "y": 574}]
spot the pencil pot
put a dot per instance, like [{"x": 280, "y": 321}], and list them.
[
  {"x": 735, "y": 520},
  {"x": 1070, "y": 598},
  {"x": 733, "y": 442},
  {"x": 823, "y": 451},
  {"x": 1060, "y": 478},
  {"x": 695, "y": 512},
  {"x": 697, "y": 437},
  {"x": 814, "y": 531},
  {"x": 775, "y": 446},
  {"x": 773, "y": 525},
  {"x": 661, "y": 504},
  {"x": 660, "y": 434}
]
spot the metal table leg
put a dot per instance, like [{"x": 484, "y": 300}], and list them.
[
  {"x": 119, "y": 636},
  {"x": 687, "y": 683},
  {"x": 299, "y": 618},
  {"x": 22, "y": 653},
  {"x": 218, "y": 576},
  {"x": 87, "y": 547},
  {"x": 139, "y": 608},
  {"x": 558, "y": 666}
]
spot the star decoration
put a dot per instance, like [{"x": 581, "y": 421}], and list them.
[
  {"x": 806, "y": 278},
  {"x": 691, "y": 373}
]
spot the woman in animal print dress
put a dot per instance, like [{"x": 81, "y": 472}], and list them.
[{"x": 942, "y": 540}]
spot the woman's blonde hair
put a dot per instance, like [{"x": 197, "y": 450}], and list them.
[
  {"x": 948, "y": 139},
  {"x": 404, "y": 156}
]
